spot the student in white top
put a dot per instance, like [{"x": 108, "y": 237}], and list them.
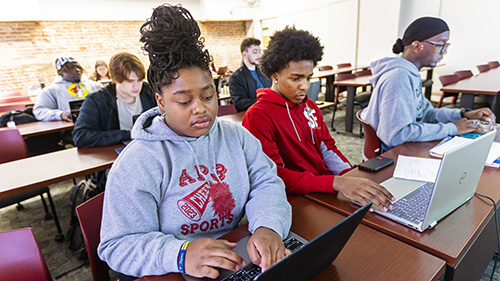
[{"x": 53, "y": 103}]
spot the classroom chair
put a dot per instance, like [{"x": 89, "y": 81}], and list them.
[
  {"x": 313, "y": 91},
  {"x": 361, "y": 73},
  {"x": 325, "y": 67},
  {"x": 483, "y": 68},
  {"x": 14, "y": 148},
  {"x": 226, "y": 109},
  {"x": 364, "y": 72},
  {"x": 90, "y": 215},
  {"x": 21, "y": 258},
  {"x": 371, "y": 147},
  {"x": 447, "y": 80},
  {"x": 343, "y": 65},
  {"x": 494, "y": 64},
  {"x": 463, "y": 74}
]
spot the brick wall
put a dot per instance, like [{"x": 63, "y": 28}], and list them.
[{"x": 28, "y": 49}]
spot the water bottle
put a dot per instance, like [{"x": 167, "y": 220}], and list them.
[{"x": 11, "y": 124}]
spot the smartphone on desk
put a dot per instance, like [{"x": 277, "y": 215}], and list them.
[{"x": 376, "y": 163}]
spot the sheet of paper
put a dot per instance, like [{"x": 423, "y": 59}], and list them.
[
  {"x": 417, "y": 168},
  {"x": 493, "y": 159}
]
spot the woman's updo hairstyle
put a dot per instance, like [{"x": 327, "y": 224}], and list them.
[{"x": 172, "y": 40}]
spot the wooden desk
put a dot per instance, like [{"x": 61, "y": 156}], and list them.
[
  {"x": 329, "y": 75},
  {"x": 43, "y": 127},
  {"x": 236, "y": 117},
  {"x": 352, "y": 85},
  {"x": 486, "y": 83},
  {"x": 42, "y": 170},
  {"x": 465, "y": 239},
  {"x": 369, "y": 254}
]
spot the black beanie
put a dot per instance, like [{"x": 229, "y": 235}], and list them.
[{"x": 419, "y": 30}]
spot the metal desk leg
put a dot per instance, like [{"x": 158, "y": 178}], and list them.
[
  {"x": 467, "y": 100},
  {"x": 496, "y": 107},
  {"x": 428, "y": 89},
  {"x": 330, "y": 89},
  {"x": 349, "y": 108}
]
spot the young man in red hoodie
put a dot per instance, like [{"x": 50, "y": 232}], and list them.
[{"x": 291, "y": 128}]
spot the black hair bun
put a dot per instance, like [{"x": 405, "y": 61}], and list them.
[{"x": 398, "y": 46}]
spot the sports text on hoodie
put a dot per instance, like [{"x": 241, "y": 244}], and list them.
[
  {"x": 297, "y": 139},
  {"x": 398, "y": 111},
  {"x": 165, "y": 189},
  {"x": 55, "y": 98}
]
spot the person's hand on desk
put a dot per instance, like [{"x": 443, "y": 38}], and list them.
[
  {"x": 265, "y": 247},
  {"x": 359, "y": 189},
  {"x": 66, "y": 116},
  {"x": 203, "y": 254}
]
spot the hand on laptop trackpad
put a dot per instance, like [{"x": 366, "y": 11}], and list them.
[{"x": 401, "y": 187}]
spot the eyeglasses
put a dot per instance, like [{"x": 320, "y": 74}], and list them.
[{"x": 442, "y": 47}]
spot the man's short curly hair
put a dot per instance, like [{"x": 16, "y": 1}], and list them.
[
  {"x": 172, "y": 40},
  {"x": 289, "y": 45},
  {"x": 247, "y": 42}
]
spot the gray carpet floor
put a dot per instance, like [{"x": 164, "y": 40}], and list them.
[{"x": 61, "y": 260}]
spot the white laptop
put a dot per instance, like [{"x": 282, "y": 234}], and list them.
[{"x": 420, "y": 205}]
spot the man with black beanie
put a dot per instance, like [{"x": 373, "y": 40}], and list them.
[{"x": 398, "y": 111}]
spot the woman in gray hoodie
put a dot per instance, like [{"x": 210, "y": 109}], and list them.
[{"x": 187, "y": 177}]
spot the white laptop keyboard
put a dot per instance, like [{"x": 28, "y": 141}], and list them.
[{"x": 413, "y": 206}]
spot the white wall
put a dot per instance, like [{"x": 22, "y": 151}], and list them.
[
  {"x": 334, "y": 22},
  {"x": 377, "y": 31},
  {"x": 20, "y": 10},
  {"x": 473, "y": 31},
  {"x": 225, "y": 10}
]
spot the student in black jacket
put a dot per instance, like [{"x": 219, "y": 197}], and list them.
[
  {"x": 106, "y": 117},
  {"x": 245, "y": 81}
]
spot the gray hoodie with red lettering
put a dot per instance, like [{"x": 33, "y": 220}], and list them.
[{"x": 165, "y": 189}]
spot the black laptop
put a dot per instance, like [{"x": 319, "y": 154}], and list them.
[{"x": 307, "y": 260}]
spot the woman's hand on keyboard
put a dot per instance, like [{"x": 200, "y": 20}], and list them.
[
  {"x": 203, "y": 254},
  {"x": 265, "y": 248}
]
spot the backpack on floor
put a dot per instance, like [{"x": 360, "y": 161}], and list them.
[{"x": 80, "y": 193}]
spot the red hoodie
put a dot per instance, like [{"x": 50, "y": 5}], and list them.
[{"x": 297, "y": 140}]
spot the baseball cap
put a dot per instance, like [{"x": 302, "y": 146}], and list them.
[{"x": 62, "y": 61}]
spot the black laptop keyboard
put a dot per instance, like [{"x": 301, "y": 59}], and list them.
[
  {"x": 250, "y": 271},
  {"x": 413, "y": 206}
]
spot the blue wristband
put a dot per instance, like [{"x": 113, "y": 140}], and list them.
[{"x": 182, "y": 257}]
